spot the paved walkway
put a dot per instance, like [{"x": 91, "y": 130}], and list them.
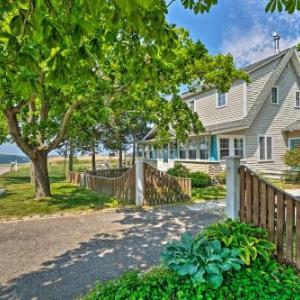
[
  {"x": 61, "y": 258},
  {"x": 4, "y": 170}
]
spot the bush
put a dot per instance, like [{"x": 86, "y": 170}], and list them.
[
  {"x": 179, "y": 171},
  {"x": 262, "y": 281},
  {"x": 292, "y": 158},
  {"x": 201, "y": 259},
  {"x": 200, "y": 179},
  {"x": 250, "y": 240}
]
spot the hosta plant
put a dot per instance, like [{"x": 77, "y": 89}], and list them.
[
  {"x": 250, "y": 240},
  {"x": 201, "y": 259}
]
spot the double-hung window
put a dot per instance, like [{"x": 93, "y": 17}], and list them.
[
  {"x": 204, "y": 147},
  {"x": 224, "y": 147},
  {"x": 221, "y": 99},
  {"x": 192, "y": 149},
  {"x": 297, "y": 99},
  {"x": 173, "y": 150},
  {"x": 265, "y": 148},
  {"x": 182, "y": 151},
  {"x": 239, "y": 147},
  {"x": 274, "y": 95}
]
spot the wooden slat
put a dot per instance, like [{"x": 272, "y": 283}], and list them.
[
  {"x": 263, "y": 205},
  {"x": 248, "y": 197},
  {"x": 242, "y": 193},
  {"x": 271, "y": 213},
  {"x": 255, "y": 212},
  {"x": 280, "y": 221},
  {"x": 289, "y": 229},
  {"x": 298, "y": 235}
]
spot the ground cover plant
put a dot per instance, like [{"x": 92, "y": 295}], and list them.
[
  {"x": 214, "y": 192},
  {"x": 200, "y": 268},
  {"x": 19, "y": 201},
  {"x": 250, "y": 240},
  {"x": 263, "y": 281}
]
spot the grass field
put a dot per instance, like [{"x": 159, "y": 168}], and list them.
[{"x": 19, "y": 200}]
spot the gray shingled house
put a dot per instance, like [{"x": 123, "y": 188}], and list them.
[{"x": 258, "y": 121}]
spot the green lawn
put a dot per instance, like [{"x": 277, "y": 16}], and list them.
[
  {"x": 19, "y": 200},
  {"x": 214, "y": 192}
]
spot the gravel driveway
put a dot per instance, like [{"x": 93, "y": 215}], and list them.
[{"x": 62, "y": 257}]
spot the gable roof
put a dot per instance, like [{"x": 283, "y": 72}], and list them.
[
  {"x": 153, "y": 131},
  {"x": 249, "y": 118}
]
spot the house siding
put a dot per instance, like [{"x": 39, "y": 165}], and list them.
[
  {"x": 209, "y": 114},
  {"x": 271, "y": 119},
  {"x": 258, "y": 80}
]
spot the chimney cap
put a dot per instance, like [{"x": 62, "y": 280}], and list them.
[{"x": 276, "y": 35}]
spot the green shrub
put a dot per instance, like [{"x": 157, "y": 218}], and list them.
[
  {"x": 179, "y": 171},
  {"x": 201, "y": 259},
  {"x": 292, "y": 158},
  {"x": 200, "y": 179},
  {"x": 263, "y": 281},
  {"x": 250, "y": 240}
]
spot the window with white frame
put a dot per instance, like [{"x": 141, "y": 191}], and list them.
[
  {"x": 297, "y": 99},
  {"x": 239, "y": 147},
  {"x": 275, "y": 95},
  {"x": 221, "y": 99},
  {"x": 191, "y": 105},
  {"x": 182, "y": 151},
  {"x": 151, "y": 152},
  {"x": 204, "y": 146},
  {"x": 265, "y": 148},
  {"x": 173, "y": 150},
  {"x": 224, "y": 147},
  {"x": 145, "y": 151},
  {"x": 192, "y": 149}
]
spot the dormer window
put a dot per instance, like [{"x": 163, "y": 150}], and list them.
[
  {"x": 221, "y": 99},
  {"x": 297, "y": 99},
  {"x": 275, "y": 95}
]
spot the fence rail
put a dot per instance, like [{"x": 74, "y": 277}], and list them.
[
  {"x": 267, "y": 206},
  {"x": 161, "y": 188},
  {"x": 111, "y": 173},
  {"x": 122, "y": 187}
]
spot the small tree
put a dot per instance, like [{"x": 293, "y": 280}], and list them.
[{"x": 292, "y": 158}]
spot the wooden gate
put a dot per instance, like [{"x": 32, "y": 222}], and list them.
[
  {"x": 161, "y": 188},
  {"x": 269, "y": 207}
]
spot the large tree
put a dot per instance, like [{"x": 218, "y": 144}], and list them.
[{"x": 59, "y": 56}]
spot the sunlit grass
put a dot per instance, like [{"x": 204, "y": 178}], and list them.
[
  {"x": 19, "y": 200},
  {"x": 215, "y": 192}
]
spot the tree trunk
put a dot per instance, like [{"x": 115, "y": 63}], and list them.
[
  {"x": 71, "y": 157},
  {"x": 120, "y": 157},
  {"x": 94, "y": 160},
  {"x": 41, "y": 175}
]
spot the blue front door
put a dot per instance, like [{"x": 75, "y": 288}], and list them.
[{"x": 165, "y": 153}]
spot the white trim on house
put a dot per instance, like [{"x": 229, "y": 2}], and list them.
[
  {"x": 265, "y": 136},
  {"x": 277, "y": 96},
  {"x": 245, "y": 98}
]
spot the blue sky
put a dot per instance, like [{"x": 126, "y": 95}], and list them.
[{"x": 239, "y": 27}]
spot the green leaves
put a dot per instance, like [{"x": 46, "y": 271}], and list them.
[
  {"x": 249, "y": 240},
  {"x": 289, "y": 6},
  {"x": 202, "y": 260}
]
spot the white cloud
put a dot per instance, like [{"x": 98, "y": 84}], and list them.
[{"x": 253, "y": 40}]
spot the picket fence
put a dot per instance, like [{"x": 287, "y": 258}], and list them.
[
  {"x": 159, "y": 188},
  {"x": 263, "y": 204}
]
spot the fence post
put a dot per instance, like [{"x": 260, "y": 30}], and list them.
[
  {"x": 233, "y": 186},
  {"x": 83, "y": 179},
  {"x": 139, "y": 181}
]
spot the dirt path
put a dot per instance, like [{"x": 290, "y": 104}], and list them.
[
  {"x": 61, "y": 258},
  {"x": 4, "y": 170}
]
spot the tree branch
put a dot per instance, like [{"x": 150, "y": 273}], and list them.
[
  {"x": 63, "y": 128},
  {"x": 14, "y": 130}
]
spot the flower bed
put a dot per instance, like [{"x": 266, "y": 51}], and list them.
[{"x": 229, "y": 260}]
